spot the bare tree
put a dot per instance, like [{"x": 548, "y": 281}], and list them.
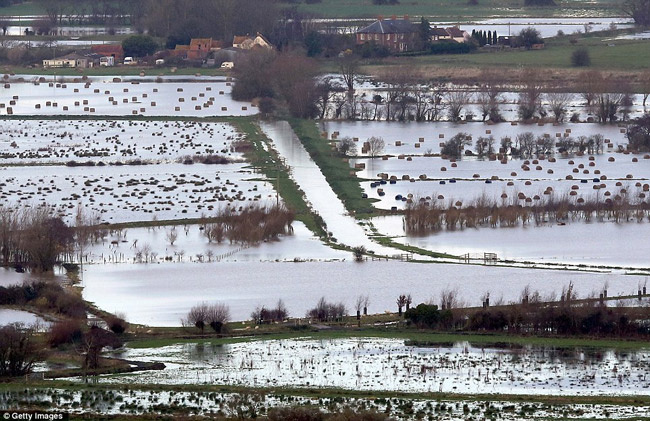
[
  {"x": 456, "y": 102},
  {"x": 217, "y": 316},
  {"x": 401, "y": 302},
  {"x": 171, "y": 236},
  {"x": 484, "y": 146},
  {"x": 448, "y": 299},
  {"x": 524, "y": 145},
  {"x": 18, "y": 352},
  {"x": 348, "y": 68},
  {"x": 530, "y": 95},
  {"x": 198, "y": 316},
  {"x": 346, "y": 146},
  {"x": 376, "y": 146},
  {"x": 645, "y": 86},
  {"x": 558, "y": 103}
]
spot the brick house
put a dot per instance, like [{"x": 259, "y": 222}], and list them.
[
  {"x": 199, "y": 49},
  {"x": 397, "y": 35},
  {"x": 109, "y": 50}
]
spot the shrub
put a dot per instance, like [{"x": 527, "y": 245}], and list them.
[
  {"x": 424, "y": 315},
  {"x": 325, "y": 311},
  {"x": 64, "y": 332},
  {"x": 117, "y": 324},
  {"x": 580, "y": 58},
  {"x": 18, "y": 353},
  {"x": 262, "y": 315}
]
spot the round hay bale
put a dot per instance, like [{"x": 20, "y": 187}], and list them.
[{"x": 611, "y": 159}]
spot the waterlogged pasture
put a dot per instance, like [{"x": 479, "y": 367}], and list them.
[
  {"x": 391, "y": 365},
  {"x": 162, "y": 294},
  {"x": 192, "y": 246},
  {"x": 433, "y": 133},
  {"x": 200, "y": 98},
  {"x": 110, "y": 141},
  {"x": 594, "y": 244},
  {"x": 134, "y": 193},
  {"x": 140, "y": 402}
]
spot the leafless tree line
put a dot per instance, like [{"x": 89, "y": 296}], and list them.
[
  {"x": 431, "y": 214},
  {"x": 251, "y": 225},
  {"x": 408, "y": 95}
]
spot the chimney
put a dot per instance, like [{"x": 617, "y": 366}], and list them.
[
  {"x": 380, "y": 17},
  {"x": 406, "y": 17},
  {"x": 393, "y": 17}
]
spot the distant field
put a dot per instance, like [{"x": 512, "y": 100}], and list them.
[
  {"x": 605, "y": 55},
  {"x": 459, "y": 10},
  {"x": 22, "y": 9}
]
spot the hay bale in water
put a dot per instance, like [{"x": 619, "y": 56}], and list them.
[
  {"x": 224, "y": 108},
  {"x": 10, "y": 110},
  {"x": 65, "y": 108},
  {"x": 177, "y": 108}
]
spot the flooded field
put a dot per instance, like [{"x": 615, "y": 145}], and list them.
[
  {"x": 592, "y": 244},
  {"x": 137, "y": 402},
  {"x": 162, "y": 294},
  {"x": 199, "y": 98},
  {"x": 191, "y": 245},
  {"x": 134, "y": 193},
  {"x": 390, "y": 364},
  {"x": 110, "y": 141}
]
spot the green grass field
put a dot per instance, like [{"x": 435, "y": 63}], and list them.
[
  {"x": 459, "y": 10},
  {"x": 606, "y": 54},
  {"x": 23, "y": 9}
]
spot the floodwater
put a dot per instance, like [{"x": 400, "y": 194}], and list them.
[
  {"x": 104, "y": 97},
  {"x": 191, "y": 245},
  {"x": 10, "y": 316},
  {"x": 317, "y": 190},
  {"x": 593, "y": 244},
  {"x": 389, "y": 364},
  {"x": 161, "y": 294}
]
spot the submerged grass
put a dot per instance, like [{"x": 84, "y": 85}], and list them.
[{"x": 415, "y": 337}]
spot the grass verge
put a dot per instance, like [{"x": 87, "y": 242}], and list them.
[{"x": 337, "y": 172}]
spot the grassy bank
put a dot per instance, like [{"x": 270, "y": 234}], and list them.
[
  {"x": 625, "y": 56},
  {"x": 334, "y": 168},
  {"x": 413, "y": 336},
  {"x": 269, "y": 163}
]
